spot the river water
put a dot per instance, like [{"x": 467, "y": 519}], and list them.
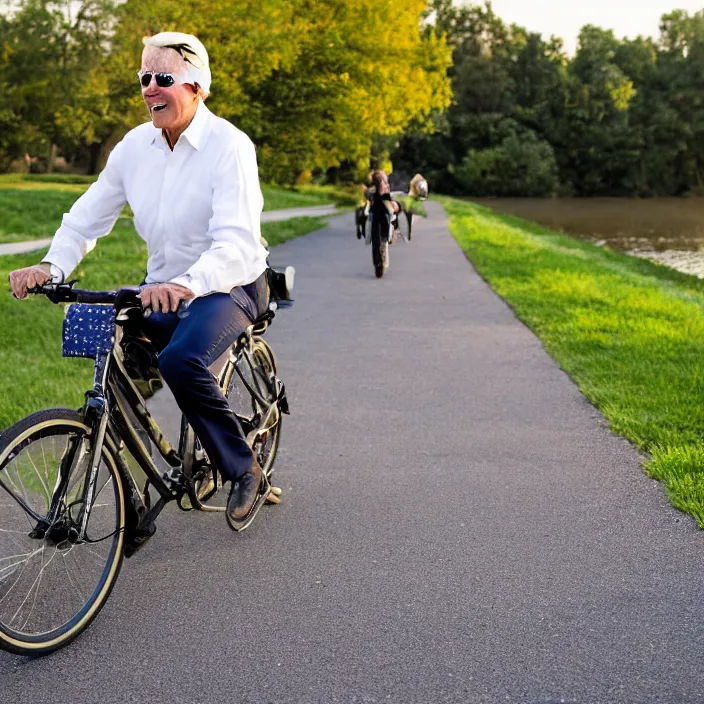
[{"x": 665, "y": 230}]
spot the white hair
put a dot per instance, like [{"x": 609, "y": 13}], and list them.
[{"x": 195, "y": 56}]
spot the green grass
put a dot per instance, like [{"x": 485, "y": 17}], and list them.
[
  {"x": 46, "y": 180},
  {"x": 56, "y": 178},
  {"x": 630, "y": 333},
  {"x": 344, "y": 196},
  {"x": 32, "y": 214},
  {"x": 31, "y": 207},
  {"x": 279, "y": 198},
  {"x": 277, "y": 232},
  {"x": 34, "y": 373}
]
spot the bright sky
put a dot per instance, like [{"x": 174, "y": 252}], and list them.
[{"x": 564, "y": 18}]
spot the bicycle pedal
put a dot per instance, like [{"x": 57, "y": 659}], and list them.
[
  {"x": 205, "y": 488},
  {"x": 274, "y": 496}
]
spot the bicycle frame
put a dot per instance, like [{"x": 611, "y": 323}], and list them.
[
  {"x": 115, "y": 418},
  {"x": 114, "y": 397}
]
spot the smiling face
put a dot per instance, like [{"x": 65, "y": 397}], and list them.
[{"x": 171, "y": 108}]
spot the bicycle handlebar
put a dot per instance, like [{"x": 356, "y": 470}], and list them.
[
  {"x": 280, "y": 281},
  {"x": 66, "y": 293}
]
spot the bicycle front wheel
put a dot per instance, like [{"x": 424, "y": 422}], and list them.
[{"x": 61, "y": 534}]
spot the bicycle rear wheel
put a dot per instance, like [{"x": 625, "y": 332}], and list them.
[
  {"x": 61, "y": 537},
  {"x": 258, "y": 371},
  {"x": 380, "y": 247}
]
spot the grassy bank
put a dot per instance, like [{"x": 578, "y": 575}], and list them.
[
  {"x": 630, "y": 333},
  {"x": 31, "y": 207},
  {"x": 34, "y": 374}
]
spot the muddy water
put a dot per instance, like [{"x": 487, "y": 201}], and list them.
[{"x": 667, "y": 230}]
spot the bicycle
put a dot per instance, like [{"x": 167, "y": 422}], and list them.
[
  {"x": 383, "y": 232},
  {"x": 70, "y": 505}
]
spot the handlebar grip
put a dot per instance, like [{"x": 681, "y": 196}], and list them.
[{"x": 65, "y": 293}]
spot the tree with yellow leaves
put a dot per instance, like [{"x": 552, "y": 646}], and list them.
[{"x": 311, "y": 81}]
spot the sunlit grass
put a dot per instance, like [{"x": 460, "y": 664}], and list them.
[
  {"x": 31, "y": 207},
  {"x": 32, "y": 214},
  {"x": 630, "y": 333},
  {"x": 33, "y": 372}
]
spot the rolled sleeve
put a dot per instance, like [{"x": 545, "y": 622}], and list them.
[
  {"x": 234, "y": 227},
  {"x": 92, "y": 216}
]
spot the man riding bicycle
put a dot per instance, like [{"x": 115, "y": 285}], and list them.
[{"x": 192, "y": 182}]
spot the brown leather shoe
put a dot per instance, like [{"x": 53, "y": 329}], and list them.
[{"x": 243, "y": 496}]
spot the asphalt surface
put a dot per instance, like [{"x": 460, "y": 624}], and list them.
[{"x": 458, "y": 525}]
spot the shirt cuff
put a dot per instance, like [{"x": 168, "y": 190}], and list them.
[
  {"x": 188, "y": 282},
  {"x": 57, "y": 274}
]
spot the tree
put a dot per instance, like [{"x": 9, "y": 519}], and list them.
[
  {"x": 311, "y": 81},
  {"x": 51, "y": 53},
  {"x": 521, "y": 165}
]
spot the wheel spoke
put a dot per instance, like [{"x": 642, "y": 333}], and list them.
[
  {"x": 24, "y": 503},
  {"x": 38, "y": 582},
  {"x": 68, "y": 574},
  {"x": 41, "y": 480},
  {"x": 47, "y": 576},
  {"x": 26, "y": 509},
  {"x": 259, "y": 371},
  {"x": 6, "y": 571},
  {"x": 24, "y": 565}
]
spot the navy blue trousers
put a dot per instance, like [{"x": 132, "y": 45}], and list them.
[{"x": 188, "y": 343}]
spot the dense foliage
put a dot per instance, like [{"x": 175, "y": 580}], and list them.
[
  {"x": 478, "y": 106},
  {"x": 312, "y": 81},
  {"x": 621, "y": 117}
]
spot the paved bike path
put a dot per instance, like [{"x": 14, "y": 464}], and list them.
[{"x": 458, "y": 524}]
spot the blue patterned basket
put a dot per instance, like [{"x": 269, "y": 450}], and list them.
[{"x": 88, "y": 330}]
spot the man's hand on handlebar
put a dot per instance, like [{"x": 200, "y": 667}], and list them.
[
  {"x": 164, "y": 298},
  {"x": 23, "y": 279}
]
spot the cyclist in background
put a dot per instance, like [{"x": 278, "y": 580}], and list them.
[
  {"x": 418, "y": 188},
  {"x": 379, "y": 196}
]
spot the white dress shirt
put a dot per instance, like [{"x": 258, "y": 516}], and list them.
[{"x": 198, "y": 208}]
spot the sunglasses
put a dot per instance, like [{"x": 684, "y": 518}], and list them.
[{"x": 163, "y": 80}]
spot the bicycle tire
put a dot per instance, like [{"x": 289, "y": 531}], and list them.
[
  {"x": 266, "y": 349},
  {"x": 377, "y": 248},
  {"x": 268, "y": 449},
  {"x": 54, "y": 426},
  {"x": 246, "y": 406}
]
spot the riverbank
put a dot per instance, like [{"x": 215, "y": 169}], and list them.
[
  {"x": 669, "y": 231},
  {"x": 628, "y": 332}
]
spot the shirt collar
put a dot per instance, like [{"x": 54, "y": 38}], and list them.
[{"x": 195, "y": 133}]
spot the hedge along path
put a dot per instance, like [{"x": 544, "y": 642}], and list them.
[{"x": 629, "y": 332}]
